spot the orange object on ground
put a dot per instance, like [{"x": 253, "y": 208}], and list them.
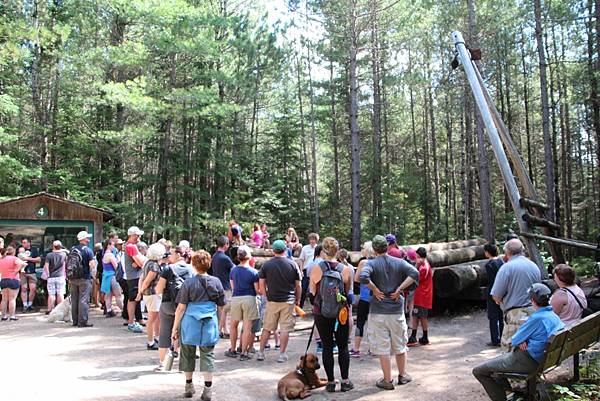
[{"x": 299, "y": 311}]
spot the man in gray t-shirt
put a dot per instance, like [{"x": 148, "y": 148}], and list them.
[
  {"x": 513, "y": 280},
  {"x": 388, "y": 278}
]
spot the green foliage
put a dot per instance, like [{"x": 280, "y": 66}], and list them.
[
  {"x": 584, "y": 266},
  {"x": 178, "y": 115}
]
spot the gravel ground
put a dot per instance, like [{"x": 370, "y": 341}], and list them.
[{"x": 54, "y": 361}]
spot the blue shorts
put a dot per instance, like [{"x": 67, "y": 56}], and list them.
[{"x": 10, "y": 283}]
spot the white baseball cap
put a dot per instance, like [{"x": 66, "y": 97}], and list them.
[
  {"x": 57, "y": 244},
  {"x": 133, "y": 230},
  {"x": 184, "y": 244},
  {"x": 81, "y": 235}
]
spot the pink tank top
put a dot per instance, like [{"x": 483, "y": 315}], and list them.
[{"x": 571, "y": 312}]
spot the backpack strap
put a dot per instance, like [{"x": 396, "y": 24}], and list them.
[{"x": 576, "y": 299}]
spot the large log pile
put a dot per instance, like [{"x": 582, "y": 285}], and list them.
[{"x": 459, "y": 266}]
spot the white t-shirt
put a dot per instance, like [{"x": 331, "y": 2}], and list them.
[{"x": 307, "y": 254}]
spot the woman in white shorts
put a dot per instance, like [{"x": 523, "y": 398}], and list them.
[{"x": 147, "y": 288}]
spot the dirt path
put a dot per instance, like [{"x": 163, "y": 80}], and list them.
[{"x": 47, "y": 361}]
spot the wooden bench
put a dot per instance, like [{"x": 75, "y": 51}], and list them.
[{"x": 564, "y": 344}]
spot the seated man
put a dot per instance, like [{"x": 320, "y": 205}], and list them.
[{"x": 528, "y": 344}]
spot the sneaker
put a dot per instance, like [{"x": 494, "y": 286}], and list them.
[
  {"x": 268, "y": 346},
  {"x": 13, "y": 319},
  {"x": 491, "y": 344},
  {"x": 347, "y": 386},
  {"x": 282, "y": 358},
  {"x": 403, "y": 379},
  {"x": 189, "y": 390},
  {"x": 160, "y": 368},
  {"x": 245, "y": 357},
  {"x": 423, "y": 341},
  {"x": 110, "y": 314},
  {"x": 153, "y": 347},
  {"x": 354, "y": 354},
  {"x": 384, "y": 384},
  {"x": 231, "y": 354},
  {"x": 252, "y": 350},
  {"x": 412, "y": 341},
  {"x": 319, "y": 348},
  {"x": 260, "y": 356},
  {"x": 330, "y": 387},
  {"x": 87, "y": 325},
  {"x": 135, "y": 328},
  {"x": 4, "y": 319},
  {"x": 277, "y": 346},
  {"x": 206, "y": 394}
]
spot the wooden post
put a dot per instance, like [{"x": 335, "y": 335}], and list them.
[{"x": 507, "y": 174}]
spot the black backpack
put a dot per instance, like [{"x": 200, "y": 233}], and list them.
[
  {"x": 174, "y": 284},
  {"x": 74, "y": 264}
]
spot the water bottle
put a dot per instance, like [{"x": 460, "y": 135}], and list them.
[{"x": 169, "y": 361}]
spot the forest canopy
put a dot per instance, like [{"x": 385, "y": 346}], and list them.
[{"x": 337, "y": 116}]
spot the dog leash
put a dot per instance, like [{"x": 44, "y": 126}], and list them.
[{"x": 309, "y": 340}]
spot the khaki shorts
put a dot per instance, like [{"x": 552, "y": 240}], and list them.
[
  {"x": 281, "y": 313},
  {"x": 513, "y": 319},
  {"x": 32, "y": 278},
  {"x": 387, "y": 334},
  {"x": 152, "y": 302},
  {"x": 244, "y": 308}
]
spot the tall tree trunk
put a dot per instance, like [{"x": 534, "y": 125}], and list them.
[
  {"x": 593, "y": 68},
  {"x": 485, "y": 192},
  {"x": 376, "y": 170},
  {"x": 334, "y": 137},
  {"x": 303, "y": 135},
  {"x": 549, "y": 178},
  {"x": 354, "y": 133},
  {"x": 313, "y": 146},
  {"x": 530, "y": 160}
]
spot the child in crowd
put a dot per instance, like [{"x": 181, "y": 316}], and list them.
[{"x": 423, "y": 299}]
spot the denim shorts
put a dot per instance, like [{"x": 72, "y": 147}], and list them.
[{"x": 10, "y": 283}]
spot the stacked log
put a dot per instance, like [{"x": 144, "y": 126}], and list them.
[
  {"x": 450, "y": 281},
  {"x": 455, "y": 256}
]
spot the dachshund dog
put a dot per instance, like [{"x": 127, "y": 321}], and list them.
[{"x": 297, "y": 384}]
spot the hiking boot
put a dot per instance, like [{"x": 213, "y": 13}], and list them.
[
  {"x": 403, "y": 379},
  {"x": 231, "y": 354},
  {"x": 412, "y": 341},
  {"x": 423, "y": 341},
  {"x": 189, "y": 390},
  {"x": 384, "y": 384},
  {"x": 206, "y": 394},
  {"x": 260, "y": 356},
  {"x": 330, "y": 387},
  {"x": 282, "y": 358},
  {"x": 347, "y": 386}
]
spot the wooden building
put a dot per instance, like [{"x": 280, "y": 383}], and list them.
[{"x": 44, "y": 218}]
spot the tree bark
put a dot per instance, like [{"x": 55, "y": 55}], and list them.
[
  {"x": 354, "y": 133},
  {"x": 485, "y": 192},
  {"x": 313, "y": 147},
  {"x": 376, "y": 170},
  {"x": 549, "y": 178}
]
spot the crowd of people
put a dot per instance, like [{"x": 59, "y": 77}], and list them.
[{"x": 186, "y": 300}]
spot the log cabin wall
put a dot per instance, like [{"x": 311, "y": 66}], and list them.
[{"x": 37, "y": 208}]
